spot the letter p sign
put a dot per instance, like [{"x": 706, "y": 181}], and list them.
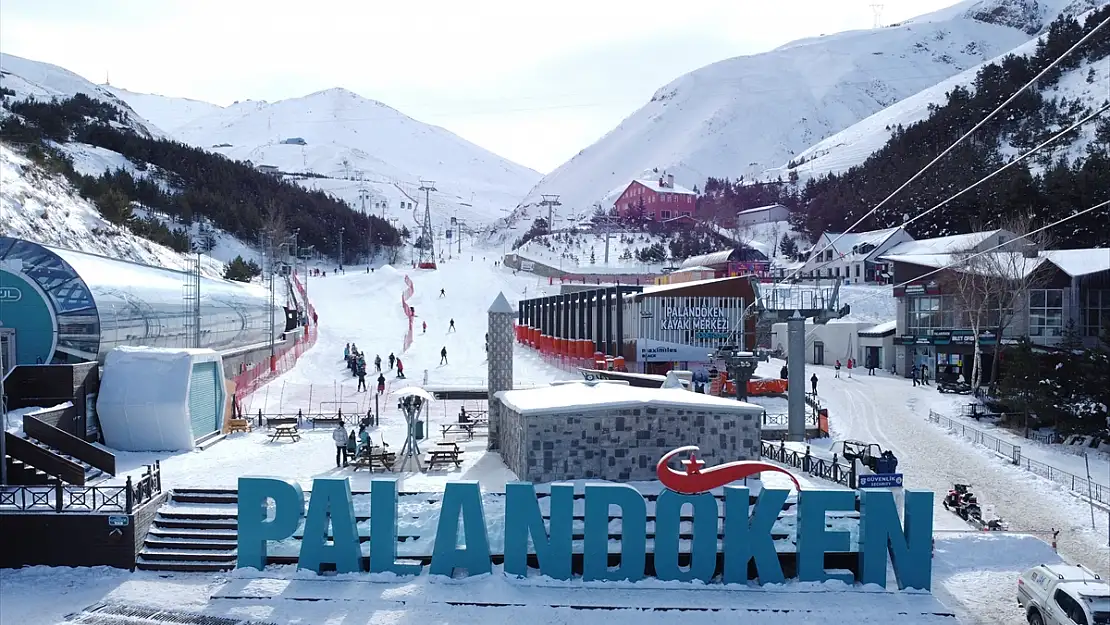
[{"x": 256, "y": 526}]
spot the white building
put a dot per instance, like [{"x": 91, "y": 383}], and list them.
[
  {"x": 865, "y": 342},
  {"x": 853, "y": 256},
  {"x": 762, "y": 215}
]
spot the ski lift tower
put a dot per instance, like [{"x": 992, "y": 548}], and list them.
[
  {"x": 409, "y": 458},
  {"x": 427, "y": 235},
  {"x": 793, "y": 303}
]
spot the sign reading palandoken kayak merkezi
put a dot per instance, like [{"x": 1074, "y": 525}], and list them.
[{"x": 747, "y": 533}]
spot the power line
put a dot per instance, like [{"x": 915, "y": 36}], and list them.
[
  {"x": 1017, "y": 160},
  {"x": 967, "y": 134},
  {"x": 964, "y": 260}
]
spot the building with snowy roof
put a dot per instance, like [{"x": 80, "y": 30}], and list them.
[
  {"x": 1063, "y": 287},
  {"x": 853, "y": 256},
  {"x": 656, "y": 199},
  {"x": 762, "y": 215},
  {"x": 609, "y": 431}
]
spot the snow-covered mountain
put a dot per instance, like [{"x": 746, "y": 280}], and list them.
[
  {"x": 748, "y": 114},
  {"x": 854, "y": 144},
  {"x": 42, "y": 81},
  {"x": 166, "y": 113},
  {"x": 345, "y": 142}
]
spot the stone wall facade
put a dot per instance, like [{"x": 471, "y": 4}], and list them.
[
  {"x": 499, "y": 359},
  {"x": 620, "y": 444}
]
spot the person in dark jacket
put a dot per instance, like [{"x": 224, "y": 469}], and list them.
[
  {"x": 391, "y": 359},
  {"x": 813, "y": 383},
  {"x": 784, "y": 373},
  {"x": 381, "y": 383},
  {"x": 361, "y": 380},
  {"x": 443, "y": 355}
]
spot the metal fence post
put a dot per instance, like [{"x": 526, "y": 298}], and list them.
[
  {"x": 1017, "y": 455},
  {"x": 130, "y": 496},
  {"x": 58, "y": 492}
]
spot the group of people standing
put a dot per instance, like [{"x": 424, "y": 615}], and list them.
[
  {"x": 348, "y": 444},
  {"x": 356, "y": 363}
]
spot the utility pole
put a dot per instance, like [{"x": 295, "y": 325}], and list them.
[
  {"x": 427, "y": 235},
  {"x": 550, "y": 201},
  {"x": 606, "y": 224},
  {"x": 877, "y": 9},
  {"x": 341, "y": 247}
]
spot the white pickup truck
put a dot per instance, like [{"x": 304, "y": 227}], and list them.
[{"x": 1063, "y": 594}]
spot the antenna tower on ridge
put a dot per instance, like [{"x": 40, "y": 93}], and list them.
[
  {"x": 427, "y": 236},
  {"x": 877, "y": 9}
]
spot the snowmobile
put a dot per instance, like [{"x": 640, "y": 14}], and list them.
[
  {"x": 961, "y": 501},
  {"x": 954, "y": 499}
]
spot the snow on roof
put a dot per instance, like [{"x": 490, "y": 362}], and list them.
[
  {"x": 659, "y": 288},
  {"x": 944, "y": 245},
  {"x": 1012, "y": 264},
  {"x": 712, "y": 258},
  {"x": 880, "y": 329},
  {"x": 1080, "y": 262},
  {"x": 848, "y": 242},
  {"x": 653, "y": 184},
  {"x": 760, "y": 209},
  {"x": 697, "y": 268},
  {"x": 577, "y": 396}
]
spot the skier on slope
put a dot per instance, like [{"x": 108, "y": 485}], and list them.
[
  {"x": 451, "y": 327},
  {"x": 400, "y": 369},
  {"x": 442, "y": 293},
  {"x": 425, "y": 326},
  {"x": 377, "y": 362},
  {"x": 391, "y": 359},
  {"x": 443, "y": 355},
  {"x": 381, "y": 383},
  {"x": 361, "y": 380}
]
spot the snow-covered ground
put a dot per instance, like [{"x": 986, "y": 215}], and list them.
[
  {"x": 744, "y": 115},
  {"x": 890, "y": 411},
  {"x": 37, "y": 206},
  {"x": 572, "y": 251}
]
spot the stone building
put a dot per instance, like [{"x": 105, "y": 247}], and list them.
[{"x": 609, "y": 431}]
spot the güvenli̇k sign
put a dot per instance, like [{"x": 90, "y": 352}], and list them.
[{"x": 747, "y": 529}]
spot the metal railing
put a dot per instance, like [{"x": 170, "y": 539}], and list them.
[
  {"x": 836, "y": 470},
  {"x": 270, "y": 419},
  {"x": 784, "y": 420},
  {"x": 62, "y": 498},
  {"x": 1100, "y": 493}
]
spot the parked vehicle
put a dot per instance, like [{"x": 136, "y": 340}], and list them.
[{"x": 1063, "y": 594}]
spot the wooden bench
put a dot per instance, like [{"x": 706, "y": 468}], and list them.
[
  {"x": 329, "y": 421},
  {"x": 238, "y": 425},
  {"x": 375, "y": 456},
  {"x": 445, "y": 452},
  {"x": 288, "y": 431}
]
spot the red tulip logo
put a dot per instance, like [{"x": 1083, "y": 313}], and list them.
[{"x": 694, "y": 480}]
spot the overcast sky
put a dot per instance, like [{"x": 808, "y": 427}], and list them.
[{"x": 533, "y": 81}]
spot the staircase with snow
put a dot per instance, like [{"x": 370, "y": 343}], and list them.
[{"x": 197, "y": 530}]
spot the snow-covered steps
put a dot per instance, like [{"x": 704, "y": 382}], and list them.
[
  {"x": 122, "y": 614},
  {"x": 196, "y": 530}
]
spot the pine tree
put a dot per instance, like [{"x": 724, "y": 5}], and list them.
[
  {"x": 788, "y": 247},
  {"x": 241, "y": 270},
  {"x": 593, "y": 259}
]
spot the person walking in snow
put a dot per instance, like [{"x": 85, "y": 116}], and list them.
[
  {"x": 361, "y": 380},
  {"x": 813, "y": 384},
  {"x": 425, "y": 326},
  {"x": 347, "y": 352},
  {"x": 913, "y": 374},
  {"x": 377, "y": 363},
  {"x": 451, "y": 327},
  {"x": 837, "y": 368},
  {"x": 339, "y": 437},
  {"x": 352, "y": 444},
  {"x": 400, "y": 369},
  {"x": 443, "y": 355},
  {"x": 381, "y": 383},
  {"x": 850, "y": 363},
  {"x": 924, "y": 375},
  {"x": 391, "y": 359},
  {"x": 442, "y": 293}
]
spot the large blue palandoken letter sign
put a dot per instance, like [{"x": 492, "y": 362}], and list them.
[{"x": 272, "y": 509}]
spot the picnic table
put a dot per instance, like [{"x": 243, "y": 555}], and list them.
[
  {"x": 445, "y": 452},
  {"x": 468, "y": 427},
  {"x": 286, "y": 430},
  {"x": 375, "y": 456}
]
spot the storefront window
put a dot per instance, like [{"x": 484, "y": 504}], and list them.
[
  {"x": 925, "y": 314},
  {"x": 1096, "y": 311},
  {"x": 1046, "y": 313}
]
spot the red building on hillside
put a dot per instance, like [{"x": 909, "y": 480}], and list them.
[{"x": 657, "y": 200}]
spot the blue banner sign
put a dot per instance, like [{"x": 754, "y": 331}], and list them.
[{"x": 886, "y": 480}]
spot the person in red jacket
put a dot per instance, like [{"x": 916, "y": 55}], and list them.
[{"x": 400, "y": 369}]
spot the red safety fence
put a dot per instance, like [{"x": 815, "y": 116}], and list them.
[
  {"x": 407, "y": 309},
  {"x": 251, "y": 378}
]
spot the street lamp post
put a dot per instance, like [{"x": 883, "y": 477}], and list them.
[{"x": 341, "y": 247}]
